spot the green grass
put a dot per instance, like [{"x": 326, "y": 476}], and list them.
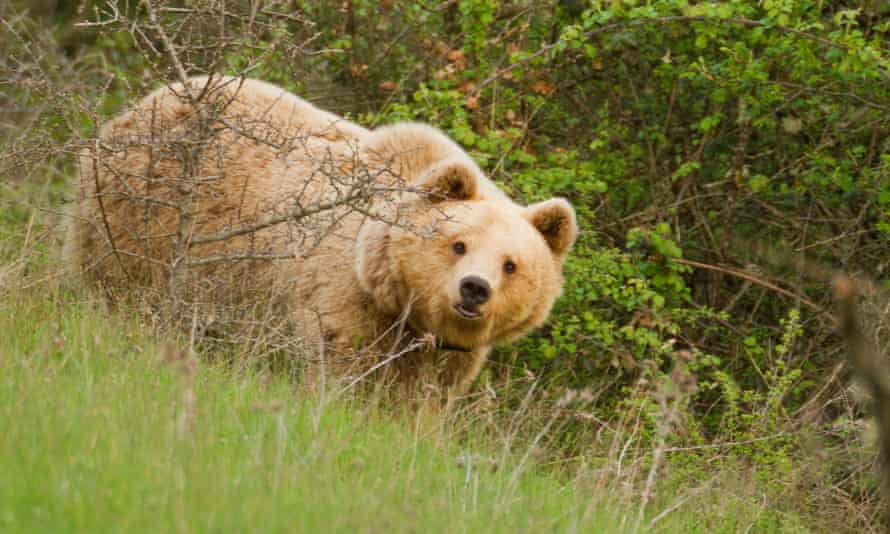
[{"x": 89, "y": 414}]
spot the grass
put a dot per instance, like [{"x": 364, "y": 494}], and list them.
[
  {"x": 90, "y": 444},
  {"x": 92, "y": 413}
]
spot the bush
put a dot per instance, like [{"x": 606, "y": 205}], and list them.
[{"x": 682, "y": 132}]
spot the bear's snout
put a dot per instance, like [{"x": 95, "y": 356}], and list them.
[{"x": 474, "y": 291}]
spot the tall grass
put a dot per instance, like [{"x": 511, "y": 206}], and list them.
[
  {"x": 108, "y": 426},
  {"x": 89, "y": 412},
  {"x": 90, "y": 408}
]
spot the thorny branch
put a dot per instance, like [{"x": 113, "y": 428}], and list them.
[
  {"x": 168, "y": 45},
  {"x": 193, "y": 40}
]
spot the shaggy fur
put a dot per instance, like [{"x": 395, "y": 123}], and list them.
[{"x": 364, "y": 287}]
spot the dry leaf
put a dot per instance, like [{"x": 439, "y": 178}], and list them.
[
  {"x": 543, "y": 87},
  {"x": 388, "y": 86},
  {"x": 457, "y": 55},
  {"x": 792, "y": 125},
  {"x": 457, "y": 58},
  {"x": 358, "y": 70},
  {"x": 466, "y": 87}
]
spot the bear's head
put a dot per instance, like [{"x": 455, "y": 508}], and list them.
[{"x": 470, "y": 266}]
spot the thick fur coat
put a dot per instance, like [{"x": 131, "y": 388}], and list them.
[{"x": 416, "y": 279}]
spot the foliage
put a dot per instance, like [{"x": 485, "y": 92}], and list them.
[
  {"x": 681, "y": 131},
  {"x": 676, "y": 129}
]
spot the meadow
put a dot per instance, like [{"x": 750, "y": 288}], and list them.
[
  {"x": 111, "y": 426},
  {"x": 107, "y": 428}
]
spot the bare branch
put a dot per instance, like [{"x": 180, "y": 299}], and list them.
[
  {"x": 168, "y": 45},
  {"x": 244, "y": 256}
]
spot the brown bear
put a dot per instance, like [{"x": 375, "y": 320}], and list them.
[{"x": 388, "y": 250}]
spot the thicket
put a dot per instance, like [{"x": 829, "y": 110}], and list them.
[{"x": 712, "y": 151}]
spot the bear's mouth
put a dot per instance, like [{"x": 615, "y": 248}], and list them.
[{"x": 466, "y": 312}]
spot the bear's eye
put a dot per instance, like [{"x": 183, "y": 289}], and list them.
[
  {"x": 509, "y": 267},
  {"x": 459, "y": 248}
]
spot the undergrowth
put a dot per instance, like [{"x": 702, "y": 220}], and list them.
[{"x": 682, "y": 373}]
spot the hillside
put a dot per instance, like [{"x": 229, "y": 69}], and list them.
[{"x": 725, "y": 160}]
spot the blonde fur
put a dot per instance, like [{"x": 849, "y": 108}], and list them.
[{"x": 365, "y": 287}]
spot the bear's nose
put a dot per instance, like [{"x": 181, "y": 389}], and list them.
[{"x": 474, "y": 290}]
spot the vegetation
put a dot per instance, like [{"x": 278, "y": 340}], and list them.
[
  {"x": 107, "y": 430},
  {"x": 92, "y": 442},
  {"x": 722, "y": 157}
]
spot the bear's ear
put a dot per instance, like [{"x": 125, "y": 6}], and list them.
[
  {"x": 449, "y": 179},
  {"x": 555, "y": 219}
]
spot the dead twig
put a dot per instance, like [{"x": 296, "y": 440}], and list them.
[{"x": 753, "y": 279}]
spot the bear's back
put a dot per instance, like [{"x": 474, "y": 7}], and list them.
[{"x": 250, "y": 151}]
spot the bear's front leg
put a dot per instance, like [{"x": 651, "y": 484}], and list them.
[
  {"x": 455, "y": 372},
  {"x": 461, "y": 369}
]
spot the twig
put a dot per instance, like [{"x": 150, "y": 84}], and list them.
[
  {"x": 406, "y": 350},
  {"x": 293, "y": 215},
  {"x": 726, "y": 444},
  {"x": 168, "y": 45},
  {"x": 101, "y": 204},
  {"x": 243, "y": 256},
  {"x": 753, "y": 279}
]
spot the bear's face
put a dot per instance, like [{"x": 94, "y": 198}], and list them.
[
  {"x": 485, "y": 271},
  {"x": 485, "y": 275}
]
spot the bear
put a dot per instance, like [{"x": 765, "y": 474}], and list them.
[{"x": 242, "y": 189}]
